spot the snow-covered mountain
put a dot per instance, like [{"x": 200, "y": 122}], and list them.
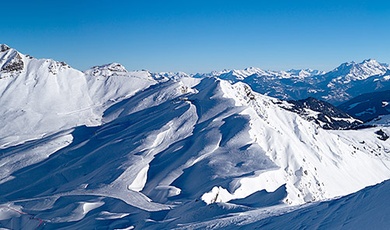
[
  {"x": 324, "y": 114},
  {"x": 368, "y": 106},
  {"x": 238, "y": 75},
  {"x": 337, "y": 86},
  {"x": 121, "y": 150},
  {"x": 352, "y": 79},
  {"x": 40, "y": 96}
]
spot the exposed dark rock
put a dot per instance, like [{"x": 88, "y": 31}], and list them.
[
  {"x": 16, "y": 64},
  {"x": 325, "y": 114},
  {"x": 4, "y": 48},
  {"x": 382, "y": 135}
]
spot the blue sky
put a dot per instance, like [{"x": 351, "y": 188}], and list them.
[{"x": 199, "y": 36}]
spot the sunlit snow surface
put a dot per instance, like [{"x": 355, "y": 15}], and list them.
[{"x": 114, "y": 149}]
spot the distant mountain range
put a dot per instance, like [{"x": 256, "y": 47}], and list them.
[
  {"x": 368, "y": 81},
  {"x": 336, "y": 87}
]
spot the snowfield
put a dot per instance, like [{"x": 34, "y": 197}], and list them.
[{"x": 113, "y": 149}]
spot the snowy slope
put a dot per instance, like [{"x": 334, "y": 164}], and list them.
[
  {"x": 150, "y": 148},
  {"x": 41, "y": 96},
  {"x": 366, "y": 209}
]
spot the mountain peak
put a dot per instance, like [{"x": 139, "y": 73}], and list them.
[
  {"x": 115, "y": 67},
  {"x": 358, "y": 71},
  {"x": 372, "y": 63},
  {"x": 302, "y": 73},
  {"x": 11, "y": 60},
  {"x": 370, "y": 60},
  {"x": 107, "y": 70},
  {"x": 345, "y": 65},
  {"x": 253, "y": 69},
  {"x": 4, "y": 47}
]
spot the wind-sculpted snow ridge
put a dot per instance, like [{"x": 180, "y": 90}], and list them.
[
  {"x": 111, "y": 148},
  {"x": 365, "y": 209}
]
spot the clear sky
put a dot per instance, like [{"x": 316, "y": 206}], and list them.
[{"x": 199, "y": 36}]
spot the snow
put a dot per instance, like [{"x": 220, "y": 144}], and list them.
[
  {"x": 239, "y": 75},
  {"x": 351, "y": 106},
  {"x": 12, "y": 161},
  {"x": 5, "y": 213},
  {"x": 87, "y": 207},
  {"x": 52, "y": 96},
  {"x": 383, "y": 120},
  {"x": 367, "y": 209},
  {"x": 363, "y": 70},
  {"x": 371, "y": 110},
  {"x": 109, "y": 216},
  {"x": 350, "y": 120},
  {"x": 132, "y": 149}
]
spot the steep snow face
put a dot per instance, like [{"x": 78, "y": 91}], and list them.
[
  {"x": 305, "y": 154},
  {"x": 41, "y": 96}
]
